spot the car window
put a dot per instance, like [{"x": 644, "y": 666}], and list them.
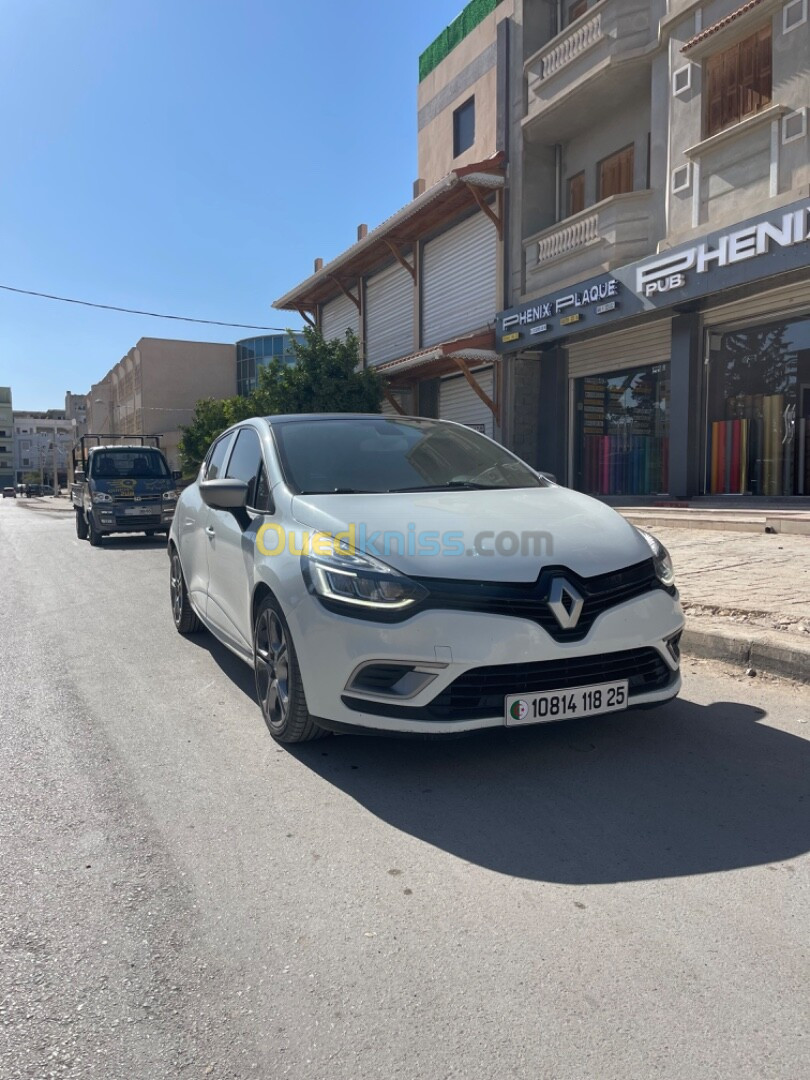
[
  {"x": 246, "y": 462},
  {"x": 217, "y": 457},
  {"x": 373, "y": 454}
]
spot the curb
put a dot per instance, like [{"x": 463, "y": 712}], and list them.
[{"x": 789, "y": 660}]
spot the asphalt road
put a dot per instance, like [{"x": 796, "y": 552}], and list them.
[{"x": 610, "y": 898}]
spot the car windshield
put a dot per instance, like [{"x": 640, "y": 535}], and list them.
[
  {"x": 134, "y": 464},
  {"x": 382, "y": 454}
]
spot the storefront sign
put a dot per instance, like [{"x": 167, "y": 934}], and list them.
[{"x": 754, "y": 250}]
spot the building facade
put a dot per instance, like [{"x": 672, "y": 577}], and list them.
[
  {"x": 154, "y": 388},
  {"x": 7, "y": 478},
  {"x": 252, "y": 354},
  {"x": 42, "y": 445},
  {"x": 421, "y": 290},
  {"x": 657, "y": 340}
]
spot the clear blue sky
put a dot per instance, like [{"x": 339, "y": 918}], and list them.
[{"x": 190, "y": 157}]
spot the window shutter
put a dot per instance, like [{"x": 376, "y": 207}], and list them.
[
  {"x": 731, "y": 82},
  {"x": 576, "y": 193},
  {"x": 748, "y": 76},
  {"x": 764, "y": 68},
  {"x": 714, "y": 95}
]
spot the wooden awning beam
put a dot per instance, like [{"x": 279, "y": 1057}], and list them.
[
  {"x": 496, "y": 219},
  {"x": 392, "y": 401},
  {"x": 305, "y": 315},
  {"x": 476, "y": 386},
  {"x": 346, "y": 292},
  {"x": 400, "y": 257}
]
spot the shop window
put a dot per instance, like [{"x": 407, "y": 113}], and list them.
[
  {"x": 464, "y": 127},
  {"x": 758, "y": 410},
  {"x": 615, "y": 173},
  {"x": 576, "y": 193},
  {"x": 622, "y": 432},
  {"x": 738, "y": 81}
]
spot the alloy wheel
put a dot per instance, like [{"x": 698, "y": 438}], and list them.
[{"x": 272, "y": 668}]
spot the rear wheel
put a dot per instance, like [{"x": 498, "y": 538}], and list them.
[
  {"x": 81, "y": 525},
  {"x": 92, "y": 532},
  {"x": 278, "y": 679},
  {"x": 185, "y": 620}
]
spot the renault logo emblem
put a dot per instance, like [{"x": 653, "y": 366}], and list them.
[{"x": 565, "y": 602}]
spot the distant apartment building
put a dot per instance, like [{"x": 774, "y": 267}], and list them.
[
  {"x": 657, "y": 337},
  {"x": 421, "y": 290},
  {"x": 42, "y": 444},
  {"x": 76, "y": 409},
  {"x": 7, "y": 478},
  {"x": 153, "y": 389}
]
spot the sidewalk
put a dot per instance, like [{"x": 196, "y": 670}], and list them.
[{"x": 746, "y": 595}]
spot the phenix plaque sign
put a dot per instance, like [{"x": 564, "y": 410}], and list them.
[{"x": 760, "y": 248}]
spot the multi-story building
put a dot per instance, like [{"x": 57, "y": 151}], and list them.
[
  {"x": 252, "y": 354},
  {"x": 76, "y": 409},
  {"x": 421, "y": 290},
  {"x": 6, "y": 438},
  {"x": 42, "y": 443},
  {"x": 657, "y": 339},
  {"x": 154, "y": 388}
]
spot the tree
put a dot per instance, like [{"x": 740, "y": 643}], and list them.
[{"x": 324, "y": 378}]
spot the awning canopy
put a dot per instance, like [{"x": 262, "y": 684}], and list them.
[{"x": 461, "y": 190}]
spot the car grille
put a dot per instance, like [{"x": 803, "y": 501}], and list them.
[
  {"x": 530, "y": 601},
  {"x": 138, "y": 520},
  {"x": 480, "y": 693}
]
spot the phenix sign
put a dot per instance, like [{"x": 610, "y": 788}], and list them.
[
  {"x": 546, "y": 309},
  {"x": 668, "y": 271}
]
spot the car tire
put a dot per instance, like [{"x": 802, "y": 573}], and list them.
[
  {"x": 93, "y": 535},
  {"x": 81, "y": 525},
  {"x": 278, "y": 678},
  {"x": 185, "y": 620}
]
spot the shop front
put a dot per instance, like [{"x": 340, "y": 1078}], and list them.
[{"x": 684, "y": 374}]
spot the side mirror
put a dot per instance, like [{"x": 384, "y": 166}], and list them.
[
  {"x": 177, "y": 476},
  {"x": 547, "y": 476},
  {"x": 224, "y": 494}
]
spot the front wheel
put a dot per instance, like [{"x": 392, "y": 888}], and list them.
[
  {"x": 278, "y": 679},
  {"x": 81, "y": 525},
  {"x": 92, "y": 532}
]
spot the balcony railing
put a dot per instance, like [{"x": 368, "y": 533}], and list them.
[
  {"x": 611, "y": 233},
  {"x": 582, "y": 37}
]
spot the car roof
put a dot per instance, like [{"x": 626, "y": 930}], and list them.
[{"x": 291, "y": 418}]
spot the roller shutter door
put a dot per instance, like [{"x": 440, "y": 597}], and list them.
[
  {"x": 649, "y": 344},
  {"x": 389, "y": 315},
  {"x": 337, "y": 317},
  {"x": 458, "y": 401},
  {"x": 459, "y": 275},
  {"x": 769, "y": 304}
]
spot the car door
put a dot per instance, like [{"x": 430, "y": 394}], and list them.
[
  {"x": 192, "y": 522},
  {"x": 232, "y": 541}
]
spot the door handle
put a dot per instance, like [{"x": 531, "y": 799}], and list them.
[{"x": 209, "y": 531}]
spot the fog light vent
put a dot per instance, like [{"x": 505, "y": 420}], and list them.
[
  {"x": 382, "y": 679},
  {"x": 674, "y": 646}
]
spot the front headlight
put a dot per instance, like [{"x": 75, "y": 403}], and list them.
[
  {"x": 663, "y": 563},
  {"x": 102, "y": 497},
  {"x": 342, "y": 575},
  {"x": 170, "y": 496}
]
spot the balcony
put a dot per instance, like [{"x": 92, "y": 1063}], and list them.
[
  {"x": 611, "y": 42},
  {"x": 611, "y": 233}
]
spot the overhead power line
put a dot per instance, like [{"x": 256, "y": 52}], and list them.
[{"x": 136, "y": 311}]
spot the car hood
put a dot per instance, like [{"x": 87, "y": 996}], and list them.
[{"x": 502, "y": 535}]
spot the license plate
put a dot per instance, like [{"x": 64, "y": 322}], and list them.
[
  {"x": 565, "y": 704},
  {"x": 134, "y": 510}
]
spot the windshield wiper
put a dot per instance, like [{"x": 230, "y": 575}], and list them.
[
  {"x": 452, "y": 485},
  {"x": 341, "y": 491}
]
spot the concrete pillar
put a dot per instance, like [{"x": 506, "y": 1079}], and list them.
[{"x": 685, "y": 413}]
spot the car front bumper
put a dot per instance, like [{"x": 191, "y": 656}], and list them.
[
  {"x": 114, "y": 519},
  {"x": 448, "y": 649}
]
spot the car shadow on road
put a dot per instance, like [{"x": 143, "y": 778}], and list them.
[
  {"x": 686, "y": 789},
  {"x": 239, "y": 673}
]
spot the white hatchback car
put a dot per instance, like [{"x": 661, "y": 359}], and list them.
[{"x": 410, "y": 575}]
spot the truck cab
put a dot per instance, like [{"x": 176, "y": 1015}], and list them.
[{"x": 122, "y": 484}]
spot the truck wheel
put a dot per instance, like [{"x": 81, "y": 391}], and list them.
[
  {"x": 94, "y": 535},
  {"x": 185, "y": 620},
  {"x": 81, "y": 525}
]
